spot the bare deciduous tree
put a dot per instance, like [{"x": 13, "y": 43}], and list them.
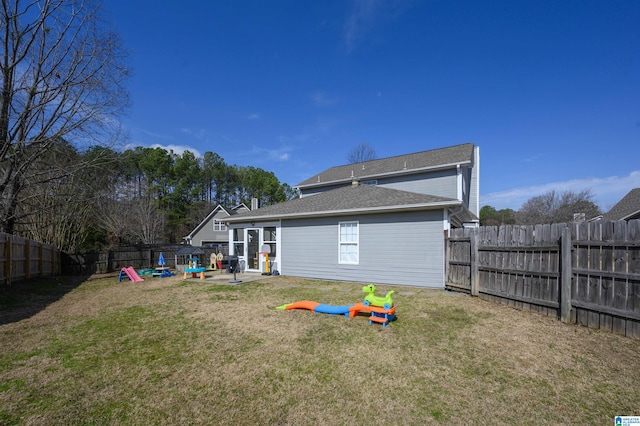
[
  {"x": 148, "y": 220},
  {"x": 62, "y": 78},
  {"x": 553, "y": 207},
  {"x": 361, "y": 153},
  {"x": 59, "y": 208}
]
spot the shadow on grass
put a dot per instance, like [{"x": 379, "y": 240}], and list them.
[{"x": 24, "y": 299}]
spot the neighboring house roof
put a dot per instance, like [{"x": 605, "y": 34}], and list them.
[
  {"x": 392, "y": 166},
  {"x": 627, "y": 208},
  {"x": 360, "y": 199},
  {"x": 229, "y": 211}
]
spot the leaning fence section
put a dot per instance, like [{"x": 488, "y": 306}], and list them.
[
  {"x": 23, "y": 259},
  {"x": 587, "y": 272}
]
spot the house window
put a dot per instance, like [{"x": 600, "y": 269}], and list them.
[
  {"x": 269, "y": 238},
  {"x": 348, "y": 242},
  {"x": 370, "y": 182},
  {"x": 219, "y": 225},
  {"x": 238, "y": 242}
]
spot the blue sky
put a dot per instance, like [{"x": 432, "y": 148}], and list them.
[{"x": 549, "y": 90}]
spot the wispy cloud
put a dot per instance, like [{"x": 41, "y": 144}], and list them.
[
  {"x": 365, "y": 15},
  {"x": 281, "y": 153},
  {"x": 196, "y": 133},
  {"x": 253, "y": 116},
  {"x": 151, "y": 134},
  {"x": 360, "y": 21},
  {"x": 178, "y": 149},
  {"x": 322, "y": 99},
  {"x": 606, "y": 191}
]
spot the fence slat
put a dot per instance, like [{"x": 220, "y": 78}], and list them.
[
  {"x": 587, "y": 273},
  {"x": 22, "y": 259}
]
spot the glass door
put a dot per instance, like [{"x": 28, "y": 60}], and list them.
[{"x": 253, "y": 249}]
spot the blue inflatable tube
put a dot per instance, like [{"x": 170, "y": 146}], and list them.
[{"x": 333, "y": 310}]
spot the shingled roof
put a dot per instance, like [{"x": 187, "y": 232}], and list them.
[
  {"x": 627, "y": 208},
  {"x": 390, "y": 166},
  {"x": 349, "y": 199}
]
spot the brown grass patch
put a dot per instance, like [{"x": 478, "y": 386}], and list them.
[{"x": 167, "y": 351}]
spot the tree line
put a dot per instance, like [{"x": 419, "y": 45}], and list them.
[
  {"x": 100, "y": 197},
  {"x": 551, "y": 207}
]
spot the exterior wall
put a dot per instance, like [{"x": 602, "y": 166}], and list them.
[
  {"x": 312, "y": 191},
  {"x": 443, "y": 183},
  {"x": 206, "y": 233},
  {"x": 402, "y": 248}
]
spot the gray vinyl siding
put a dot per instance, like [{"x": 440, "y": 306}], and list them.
[
  {"x": 316, "y": 190},
  {"x": 443, "y": 183},
  {"x": 206, "y": 234},
  {"x": 402, "y": 248}
]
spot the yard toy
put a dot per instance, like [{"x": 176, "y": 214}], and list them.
[
  {"x": 371, "y": 299},
  {"x": 379, "y": 314},
  {"x": 129, "y": 273}
]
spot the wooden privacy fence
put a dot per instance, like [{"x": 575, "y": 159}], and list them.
[
  {"x": 586, "y": 272},
  {"x": 139, "y": 256},
  {"x": 22, "y": 259}
]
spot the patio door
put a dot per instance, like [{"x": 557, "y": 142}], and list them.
[{"x": 253, "y": 249}]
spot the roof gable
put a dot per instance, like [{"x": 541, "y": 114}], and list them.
[
  {"x": 218, "y": 208},
  {"x": 626, "y": 208},
  {"x": 398, "y": 165}
]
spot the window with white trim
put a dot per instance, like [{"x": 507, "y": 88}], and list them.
[
  {"x": 219, "y": 225},
  {"x": 348, "y": 243},
  {"x": 238, "y": 242},
  {"x": 269, "y": 238}
]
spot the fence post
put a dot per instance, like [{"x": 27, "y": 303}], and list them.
[
  {"x": 565, "y": 275},
  {"x": 475, "y": 276},
  {"x": 8, "y": 256}
]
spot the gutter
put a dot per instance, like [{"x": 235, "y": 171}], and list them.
[
  {"x": 363, "y": 210},
  {"x": 387, "y": 174}
]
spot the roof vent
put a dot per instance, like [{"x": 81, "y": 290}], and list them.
[
  {"x": 318, "y": 178},
  {"x": 405, "y": 165},
  {"x": 352, "y": 174},
  {"x": 363, "y": 167}
]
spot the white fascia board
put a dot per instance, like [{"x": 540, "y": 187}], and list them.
[{"x": 630, "y": 215}]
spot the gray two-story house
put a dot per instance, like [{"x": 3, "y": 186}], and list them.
[{"x": 380, "y": 221}]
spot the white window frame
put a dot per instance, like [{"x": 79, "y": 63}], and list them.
[
  {"x": 273, "y": 244},
  {"x": 219, "y": 225},
  {"x": 344, "y": 243},
  {"x": 241, "y": 234}
]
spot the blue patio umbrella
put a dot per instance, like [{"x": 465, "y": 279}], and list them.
[{"x": 161, "y": 260}]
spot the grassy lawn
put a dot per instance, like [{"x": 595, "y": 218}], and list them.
[{"x": 171, "y": 352}]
